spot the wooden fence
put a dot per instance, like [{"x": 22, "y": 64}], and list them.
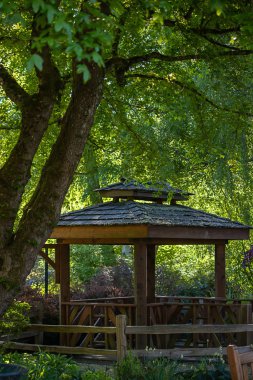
[
  {"x": 122, "y": 330},
  {"x": 163, "y": 313}
]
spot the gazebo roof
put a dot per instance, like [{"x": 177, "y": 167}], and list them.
[
  {"x": 153, "y": 191},
  {"x": 128, "y": 221},
  {"x": 132, "y": 213}
]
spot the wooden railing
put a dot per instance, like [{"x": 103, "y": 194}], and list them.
[
  {"x": 104, "y": 315},
  {"x": 95, "y": 314},
  {"x": 122, "y": 331},
  {"x": 197, "y": 314}
]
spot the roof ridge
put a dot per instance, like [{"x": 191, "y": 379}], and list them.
[{"x": 142, "y": 208}]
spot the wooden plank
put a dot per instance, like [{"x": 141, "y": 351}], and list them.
[
  {"x": 94, "y": 232},
  {"x": 101, "y": 304},
  {"x": 57, "y": 260},
  {"x": 64, "y": 253},
  {"x": 59, "y": 349},
  {"x": 199, "y": 233},
  {"x": 140, "y": 289},
  {"x": 187, "y": 329},
  {"x": 72, "y": 329},
  {"x": 64, "y": 281},
  {"x": 136, "y": 240},
  {"x": 220, "y": 271},
  {"x": 47, "y": 259},
  {"x": 151, "y": 256},
  {"x": 234, "y": 363},
  {"x": 121, "y": 342}
]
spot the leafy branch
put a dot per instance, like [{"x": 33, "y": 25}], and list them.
[{"x": 185, "y": 86}]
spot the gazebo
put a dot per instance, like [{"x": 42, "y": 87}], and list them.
[{"x": 138, "y": 215}]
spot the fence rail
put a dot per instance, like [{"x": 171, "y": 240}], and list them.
[{"x": 122, "y": 330}]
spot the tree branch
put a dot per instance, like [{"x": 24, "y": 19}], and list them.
[
  {"x": 12, "y": 89},
  {"x": 216, "y": 30},
  {"x": 215, "y": 42},
  {"x": 126, "y": 63},
  {"x": 188, "y": 88}
]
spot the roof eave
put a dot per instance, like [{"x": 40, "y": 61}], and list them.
[{"x": 115, "y": 233}]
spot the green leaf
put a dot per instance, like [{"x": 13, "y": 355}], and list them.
[
  {"x": 35, "y": 61},
  {"x": 51, "y": 12},
  {"x": 97, "y": 58},
  {"x": 83, "y": 69},
  {"x": 37, "y": 4}
]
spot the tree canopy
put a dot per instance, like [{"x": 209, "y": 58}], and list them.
[{"x": 150, "y": 89}]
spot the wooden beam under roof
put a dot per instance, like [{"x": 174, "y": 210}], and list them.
[{"x": 118, "y": 234}]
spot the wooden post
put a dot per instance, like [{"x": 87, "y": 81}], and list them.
[
  {"x": 151, "y": 254},
  {"x": 245, "y": 318},
  {"x": 64, "y": 253},
  {"x": 121, "y": 342},
  {"x": 220, "y": 267},
  {"x": 57, "y": 259},
  {"x": 140, "y": 290}
]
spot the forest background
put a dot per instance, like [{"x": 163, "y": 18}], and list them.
[{"x": 146, "y": 90}]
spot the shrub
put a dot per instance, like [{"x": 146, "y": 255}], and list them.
[
  {"x": 161, "y": 369},
  {"x": 96, "y": 375},
  {"x": 130, "y": 368},
  {"x": 109, "y": 282},
  {"x": 43, "y": 309},
  {"x": 208, "y": 369},
  {"x": 45, "y": 366},
  {"x": 171, "y": 282},
  {"x": 15, "y": 319}
]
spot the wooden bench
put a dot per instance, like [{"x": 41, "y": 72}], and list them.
[{"x": 240, "y": 361}]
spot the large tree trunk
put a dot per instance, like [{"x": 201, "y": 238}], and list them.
[{"x": 18, "y": 254}]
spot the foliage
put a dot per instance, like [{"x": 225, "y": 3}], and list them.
[
  {"x": 173, "y": 281},
  {"x": 45, "y": 366},
  {"x": 209, "y": 369},
  {"x": 42, "y": 308},
  {"x": 110, "y": 282},
  {"x": 93, "y": 258},
  {"x": 129, "y": 368},
  {"x": 96, "y": 375},
  {"x": 16, "y": 318},
  {"x": 163, "y": 368},
  {"x": 173, "y": 82}
]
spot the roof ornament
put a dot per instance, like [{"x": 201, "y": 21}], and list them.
[{"x": 158, "y": 192}]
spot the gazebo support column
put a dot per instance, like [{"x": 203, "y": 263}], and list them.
[
  {"x": 64, "y": 253},
  {"x": 151, "y": 254},
  {"x": 220, "y": 268},
  {"x": 140, "y": 290}
]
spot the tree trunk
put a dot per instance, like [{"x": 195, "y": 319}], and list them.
[{"x": 17, "y": 257}]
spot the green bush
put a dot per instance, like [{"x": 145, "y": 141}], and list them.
[
  {"x": 161, "y": 369},
  {"x": 15, "y": 319},
  {"x": 130, "y": 368},
  {"x": 208, "y": 370},
  {"x": 96, "y": 375},
  {"x": 45, "y": 366}
]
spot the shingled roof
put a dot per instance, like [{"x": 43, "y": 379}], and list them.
[
  {"x": 143, "y": 191},
  {"x": 135, "y": 213}
]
